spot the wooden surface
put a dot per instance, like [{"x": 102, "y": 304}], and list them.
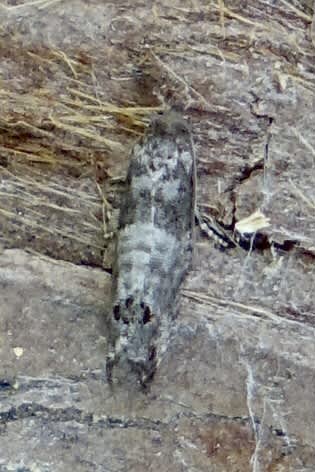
[{"x": 78, "y": 82}]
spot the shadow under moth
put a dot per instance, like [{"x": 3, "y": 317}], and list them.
[{"x": 153, "y": 248}]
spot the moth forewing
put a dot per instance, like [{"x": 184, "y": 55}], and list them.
[{"x": 154, "y": 245}]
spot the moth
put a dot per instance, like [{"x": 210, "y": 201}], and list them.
[{"x": 154, "y": 246}]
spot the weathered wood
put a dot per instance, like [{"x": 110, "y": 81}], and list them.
[{"x": 235, "y": 390}]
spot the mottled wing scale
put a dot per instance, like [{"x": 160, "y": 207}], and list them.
[{"x": 154, "y": 245}]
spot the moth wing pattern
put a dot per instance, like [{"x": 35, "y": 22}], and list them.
[{"x": 154, "y": 246}]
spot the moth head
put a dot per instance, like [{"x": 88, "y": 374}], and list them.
[{"x": 170, "y": 123}]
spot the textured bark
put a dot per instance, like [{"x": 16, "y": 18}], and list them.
[{"x": 78, "y": 82}]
